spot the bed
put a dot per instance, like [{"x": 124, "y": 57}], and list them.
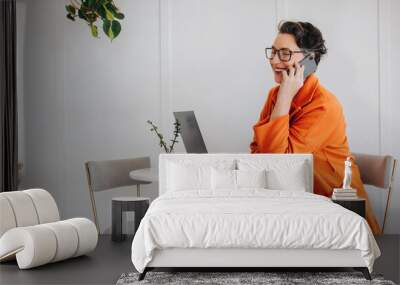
[{"x": 245, "y": 211}]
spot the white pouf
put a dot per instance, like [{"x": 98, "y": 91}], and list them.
[{"x": 31, "y": 232}]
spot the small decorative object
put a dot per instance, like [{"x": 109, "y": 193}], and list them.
[
  {"x": 346, "y": 192},
  {"x": 91, "y": 10},
  {"x": 177, "y": 130},
  {"x": 347, "y": 174}
]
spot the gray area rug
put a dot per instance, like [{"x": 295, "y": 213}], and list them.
[{"x": 229, "y": 278}]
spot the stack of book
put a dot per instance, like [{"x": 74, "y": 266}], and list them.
[{"x": 344, "y": 194}]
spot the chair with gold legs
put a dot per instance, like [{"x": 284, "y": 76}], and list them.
[
  {"x": 109, "y": 174},
  {"x": 378, "y": 171}
]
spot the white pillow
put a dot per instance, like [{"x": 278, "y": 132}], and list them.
[
  {"x": 281, "y": 174},
  {"x": 292, "y": 179},
  {"x": 189, "y": 174},
  {"x": 223, "y": 179},
  {"x": 188, "y": 177},
  {"x": 251, "y": 178}
]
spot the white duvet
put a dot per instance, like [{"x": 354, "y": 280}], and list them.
[{"x": 250, "y": 218}]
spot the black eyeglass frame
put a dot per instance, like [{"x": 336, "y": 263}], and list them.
[{"x": 277, "y": 51}]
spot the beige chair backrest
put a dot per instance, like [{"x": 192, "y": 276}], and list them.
[
  {"x": 109, "y": 174},
  {"x": 378, "y": 171},
  {"x": 375, "y": 170}
]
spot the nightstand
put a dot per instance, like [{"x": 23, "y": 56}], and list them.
[
  {"x": 355, "y": 205},
  {"x": 139, "y": 205}
]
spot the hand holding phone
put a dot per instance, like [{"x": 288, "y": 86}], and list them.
[
  {"x": 310, "y": 65},
  {"x": 293, "y": 80}
]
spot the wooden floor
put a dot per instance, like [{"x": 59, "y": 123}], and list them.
[
  {"x": 103, "y": 266},
  {"x": 110, "y": 260}
]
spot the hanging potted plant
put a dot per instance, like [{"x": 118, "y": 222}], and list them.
[{"x": 95, "y": 11}]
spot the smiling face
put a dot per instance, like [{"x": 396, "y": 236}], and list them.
[{"x": 284, "y": 41}]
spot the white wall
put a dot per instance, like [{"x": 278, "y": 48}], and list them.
[
  {"x": 218, "y": 68},
  {"x": 88, "y": 99}
]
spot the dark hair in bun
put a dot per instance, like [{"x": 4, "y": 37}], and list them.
[{"x": 307, "y": 36}]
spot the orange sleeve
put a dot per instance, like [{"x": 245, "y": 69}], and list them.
[
  {"x": 309, "y": 131},
  {"x": 263, "y": 118}
]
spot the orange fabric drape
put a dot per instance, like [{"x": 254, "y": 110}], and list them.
[{"x": 315, "y": 124}]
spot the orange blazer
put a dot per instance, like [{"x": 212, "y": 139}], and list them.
[{"x": 315, "y": 124}]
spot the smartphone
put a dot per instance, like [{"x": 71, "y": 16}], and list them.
[{"x": 310, "y": 65}]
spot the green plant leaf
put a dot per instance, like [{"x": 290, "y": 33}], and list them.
[
  {"x": 110, "y": 7},
  {"x": 116, "y": 28},
  {"x": 94, "y": 30},
  {"x": 102, "y": 11},
  {"x": 114, "y": 10},
  {"x": 70, "y": 17},
  {"x": 81, "y": 14},
  {"x": 119, "y": 16},
  {"x": 107, "y": 28},
  {"x": 91, "y": 17},
  {"x": 91, "y": 3},
  {"x": 109, "y": 14},
  {"x": 70, "y": 9}
]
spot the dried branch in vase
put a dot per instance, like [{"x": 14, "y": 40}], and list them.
[{"x": 163, "y": 144}]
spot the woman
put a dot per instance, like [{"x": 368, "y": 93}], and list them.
[{"x": 302, "y": 116}]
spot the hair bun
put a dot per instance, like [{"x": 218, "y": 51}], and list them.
[{"x": 307, "y": 36}]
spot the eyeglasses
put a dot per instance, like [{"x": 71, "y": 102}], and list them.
[{"x": 283, "y": 54}]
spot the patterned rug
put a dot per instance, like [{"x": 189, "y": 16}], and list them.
[{"x": 243, "y": 278}]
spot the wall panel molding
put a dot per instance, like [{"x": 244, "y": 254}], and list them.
[
  {"x": 165, "y": 64},
  {"x": 281, "y": 12},
  {"x": 385, "y": 94}
]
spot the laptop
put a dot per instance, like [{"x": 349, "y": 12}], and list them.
[{"x": 190, "y": 132}]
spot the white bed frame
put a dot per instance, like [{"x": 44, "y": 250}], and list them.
[
  {"x": 246, "y": 257},
  {"x": 237, "y": 257}
]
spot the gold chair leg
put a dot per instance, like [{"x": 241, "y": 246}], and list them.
[
  {"x": 92, "y": 200},
  {"x": 389, "y": 192},
  {"x": 94, "y": 212}
]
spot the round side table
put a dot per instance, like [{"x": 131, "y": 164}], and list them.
[{"x": 139, "y": 205}]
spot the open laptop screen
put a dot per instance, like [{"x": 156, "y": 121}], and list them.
[{"x": 190, "y": 132}]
